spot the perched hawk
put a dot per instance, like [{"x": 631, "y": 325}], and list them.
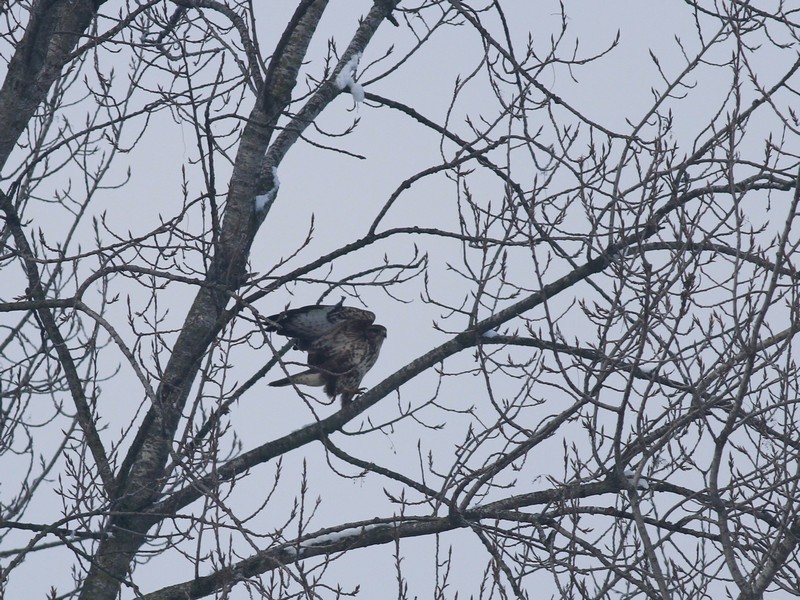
[{"x": 342, "y": 344}]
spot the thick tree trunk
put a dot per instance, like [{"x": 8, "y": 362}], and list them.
[
  {"x": 54, "y": 30},
  {"x": 141, "y": 477}
]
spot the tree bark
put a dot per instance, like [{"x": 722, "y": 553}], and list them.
[
  {"x": 54, "y": 29},
  {"x": 142, "y": 474}
]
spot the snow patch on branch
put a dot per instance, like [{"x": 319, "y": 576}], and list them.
[
  {"x": 331, "y": 538},
  {"x": 264, "y": 201},
  {"x": 357, "y": 91},
  {"x": 345, "y": 80},
  {"x": 491, "y": 333},
  {"x": 641, "y": 484}
]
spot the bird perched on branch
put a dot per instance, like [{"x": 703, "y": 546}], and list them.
[{"x": 342, "y": 344}]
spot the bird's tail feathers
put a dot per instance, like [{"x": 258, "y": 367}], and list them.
[{"x": 309, "y": 377}]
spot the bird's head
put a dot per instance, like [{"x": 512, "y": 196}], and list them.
[{"x": 377, "y": 332}]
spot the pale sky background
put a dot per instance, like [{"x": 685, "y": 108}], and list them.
[{"x": 344, "y": 194}]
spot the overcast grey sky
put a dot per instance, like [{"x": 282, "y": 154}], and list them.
[{"x": 343, "y": 194}]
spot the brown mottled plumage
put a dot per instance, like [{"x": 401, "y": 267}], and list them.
[{"x": 342, "y": 344}]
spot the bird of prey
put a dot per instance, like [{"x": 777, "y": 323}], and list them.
[{"x": 342, "y": 344}]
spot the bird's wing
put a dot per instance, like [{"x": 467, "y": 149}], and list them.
[{"x": 311, "y": 322}]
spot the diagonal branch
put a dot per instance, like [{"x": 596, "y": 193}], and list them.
[
  {"x": 46, "y": 318},
  {"x": 463, "y": 340}
]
